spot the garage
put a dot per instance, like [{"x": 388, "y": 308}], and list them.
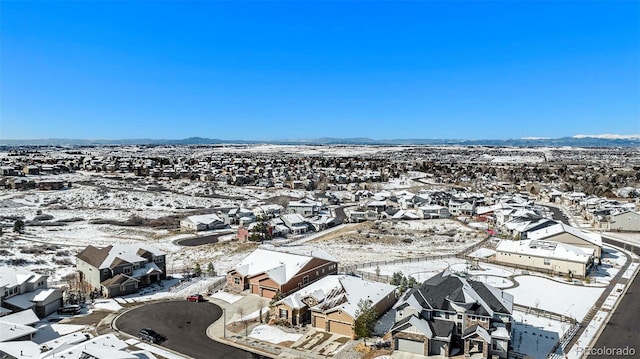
[
  {"x": 319, "y": 322},
  {"x": 340, "y": 328},
  {"x": 438, "y": 347},
  {"x": 410, "y": 346},
  {"x": 267, "y": 293}
]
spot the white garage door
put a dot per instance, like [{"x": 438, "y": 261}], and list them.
[{"x": 411, "y": 346}]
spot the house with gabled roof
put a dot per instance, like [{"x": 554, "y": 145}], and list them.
[
  {"x": 450, "y": 315},
  {"x": 202, "y": 222},
  {"x": 330, "y": 304},
  {"x": 121, "y": 269},
  {"x": 266, "y": 272},
  {"x": 564, "y": 233}
]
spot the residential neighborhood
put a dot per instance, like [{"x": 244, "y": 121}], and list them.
[{"x": 337, "y": 253}]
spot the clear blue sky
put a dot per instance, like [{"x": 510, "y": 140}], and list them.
[{"x": 296, "y": 70}]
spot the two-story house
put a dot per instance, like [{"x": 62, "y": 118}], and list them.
[
  {"x": 21, "y": 289},
  {"x": 265, "y": 272},
  {"x": 449, "y": 314},
  {"x": 331, "y": 303},
  {"x": 121, "y": 269}
]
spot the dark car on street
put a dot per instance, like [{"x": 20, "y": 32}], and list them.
[{"x": 150, "y": 335}]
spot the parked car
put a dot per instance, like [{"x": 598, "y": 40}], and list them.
[
  {"x": 69, "y": 309},
  {"x": 195, "y": 298},
  {"x": 150, "y": 335}
]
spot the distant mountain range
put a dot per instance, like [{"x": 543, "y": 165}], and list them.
[{"x": 575, "y": 141}]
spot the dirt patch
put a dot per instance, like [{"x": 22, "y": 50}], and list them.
[{"x": 92, "y": 318}]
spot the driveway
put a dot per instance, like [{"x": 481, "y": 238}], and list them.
[{"x": 184, "y": 324}]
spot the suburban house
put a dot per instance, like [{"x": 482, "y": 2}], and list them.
[
  {"x": 18, "y": 327},
  {"x": 549, "y": 257},
  {"x": 21, "y": 290},
  {"x": 356, "y": 216},
  {"x": 434, "y": 211},
  {"x": 121, "y": 269},
  {"x": 623, "y": 221},
  {"x": 76, "y": 345},
  {"x": 449, "y": 315},
  {"x": 305, "y": 207},
  {"x": 202, "y": 223},
  {"x": 265, "y": 272},
  {"x": 296, "y": 223},
  {"x": 563, "y": 233},
  {"x": 330, "y": 304}
]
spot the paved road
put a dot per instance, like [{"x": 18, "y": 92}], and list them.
[
  {"x": 200, "y": 240},
  {"x": 622, "y": 330},
  {"x": 184, "y": 324}
]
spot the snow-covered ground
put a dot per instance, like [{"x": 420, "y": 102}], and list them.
[
  {"x": 535, "y": 336},
  {"x": 561, "y": 298},
  {"x": 273, "y": 334}
]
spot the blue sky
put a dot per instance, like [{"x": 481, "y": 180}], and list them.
[{"x": 297, "y": 70}]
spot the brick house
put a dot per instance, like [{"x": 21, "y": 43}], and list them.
[{"x": 265, "y": 272}]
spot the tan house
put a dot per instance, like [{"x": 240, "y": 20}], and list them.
[
  {"x": 265, "y": 272},
  {"x": 331, "y": 303},
  {"x": 549, "y": 257},
  {"x": 566, "y": 234},
  {"x": 121, "y": 269}
]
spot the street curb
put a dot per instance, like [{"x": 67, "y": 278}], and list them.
[{"x": 613, "y": 310}]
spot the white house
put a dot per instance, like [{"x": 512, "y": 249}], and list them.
[
  {"x": 554, "y": 257},
  {"x": 202, "y": 222}
]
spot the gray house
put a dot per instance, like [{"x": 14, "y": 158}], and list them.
[
  {"x": 121, "y": 269},
  {"x": 450, "y": 315}
]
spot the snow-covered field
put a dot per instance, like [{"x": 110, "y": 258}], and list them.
[
  {"x": 535, "y": 336},
  {"x": 561, "y": 298}
]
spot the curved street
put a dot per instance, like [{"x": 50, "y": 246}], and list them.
[{"x": 184, "y": 324}]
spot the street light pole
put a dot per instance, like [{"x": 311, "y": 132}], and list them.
[{"x": 224, "y": 323}]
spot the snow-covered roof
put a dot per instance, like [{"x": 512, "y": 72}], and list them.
[
  {"x": 147, "y": 269},
  {"x": 546, "y": 249},
  {"x": 559, "y": 228},
  {"x": 106, "y": 346},
  {"x": 11, "y": 331},
  {"x": 11, "y": 277},
  {"x": 280, "y": 266},
  {"x": 349, "y": 289},
  {"x": 24, "y": 317},
  {"x": 21, "y": 349},
  {"x": 128, "y": 253},
  {"x": 204, "y": 219}
]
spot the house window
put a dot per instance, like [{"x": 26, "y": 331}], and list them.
[
  {"x": 284, "y": 313},
  {"x": 547, "y": 261},
  {"x": 305, "y": 279},
  {"x": 446, "y": 316},
  {"x": 236, "y": 280},
  {"x": 105, "y": 271},
  {"x": 322, "y": 270},
  {"x": 127, "y": 270},
  {"x": 460, "y": 316}
]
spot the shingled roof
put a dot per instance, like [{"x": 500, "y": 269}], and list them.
[
  {"x": 439, "y": 291},
  {"x": 94, "y": 256}
]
